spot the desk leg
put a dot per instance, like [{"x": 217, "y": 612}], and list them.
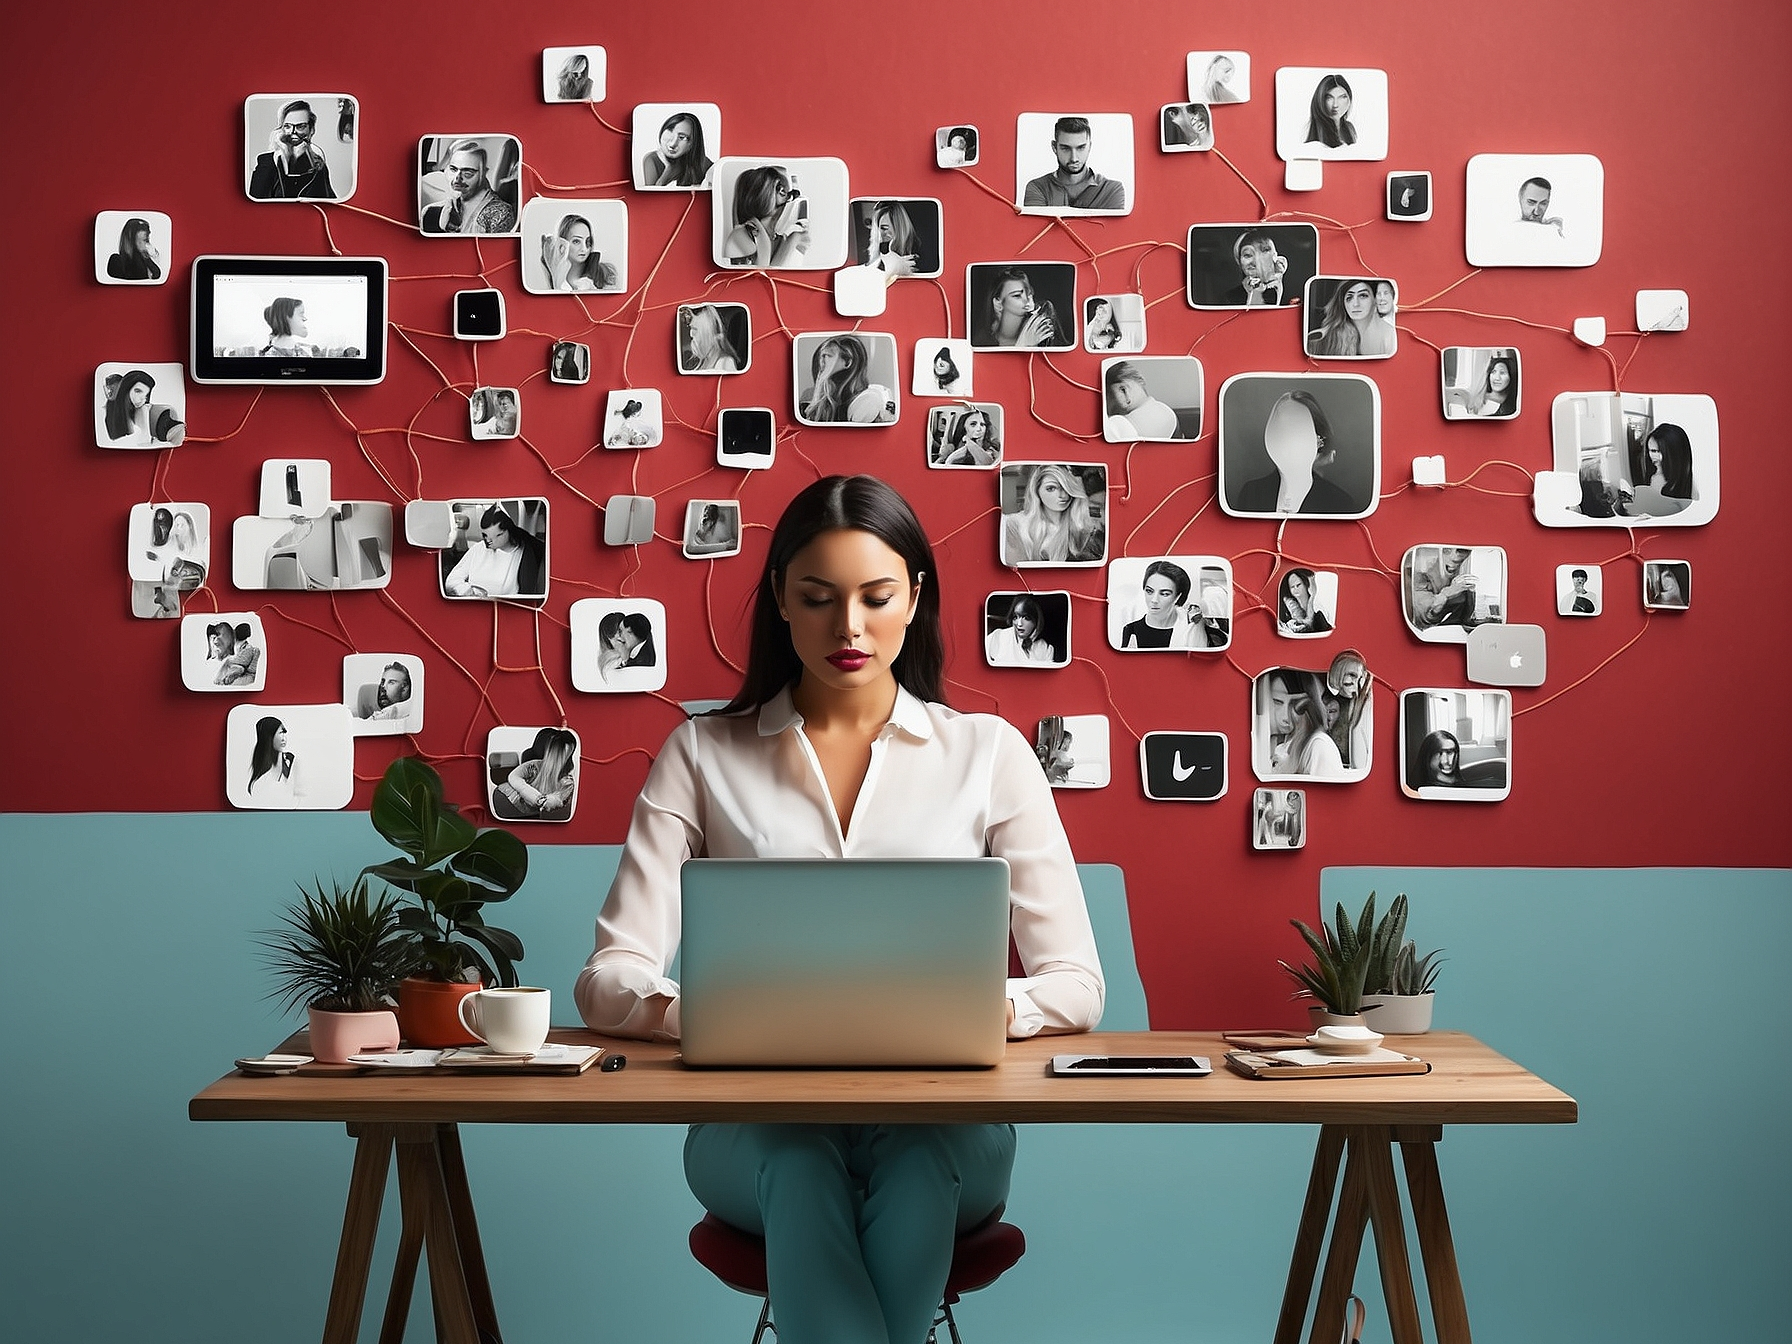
[
  {"x": 423, "y": 1191},
  {"x": 360, "y": 1224},
  {"x": 466, "y": 1234},
  {"x": 1449, "y": 1311},
  {"x": 1346, "y": 1245},
  {"x": 1374, "y": 1146},
  {"x": 1310, "y": 1238}
]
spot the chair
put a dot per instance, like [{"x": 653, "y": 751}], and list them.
[{"x": 987, "y": 1251}]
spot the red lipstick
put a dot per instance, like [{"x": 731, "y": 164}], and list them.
[{"x": 849, "y": 660}]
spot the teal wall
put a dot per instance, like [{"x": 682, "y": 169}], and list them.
[{"x": 1653, "y": 996}]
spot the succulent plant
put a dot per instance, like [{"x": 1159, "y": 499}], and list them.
[
  {"x": 1361, "y": 957},
  {"x": 340, "y": 951}
]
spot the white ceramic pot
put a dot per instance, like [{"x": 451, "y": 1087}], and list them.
[
  {"x": 1399, "y": 1014},
  {"x": 1320, "y": 1018}
]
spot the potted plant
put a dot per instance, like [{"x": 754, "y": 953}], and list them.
[
  {"x": 1346, "y": 956},
  {"x": 340, "y": 953},
  {"x": 453, "y": 870},
  {"x": 1399, "y": 985}
]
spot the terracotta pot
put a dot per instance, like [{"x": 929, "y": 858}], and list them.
[
  {"x": 336, "y": 1036},
  {"x": 1400, "y": 1014},
  {"x": 429, "y": 1012}
]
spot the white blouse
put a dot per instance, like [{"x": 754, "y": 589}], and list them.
[{"x": 940, "y": 785}]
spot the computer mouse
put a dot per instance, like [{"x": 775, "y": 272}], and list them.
[{"x": 611, "y": 1063}]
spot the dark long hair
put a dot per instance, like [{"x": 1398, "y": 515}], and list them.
[
  {"x": 1676, "y": 460},
  {"x": 118, "y": 400},
  {"x": 266, "y": 757},
  {"x": 862, "y": 504}
]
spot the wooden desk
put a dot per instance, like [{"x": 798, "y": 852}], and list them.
[{"x": 1361, "y": 1120}]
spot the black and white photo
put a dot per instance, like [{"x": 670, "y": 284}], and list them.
[
  {"x": 383, "y": 692},
  {"x": 899, "y": 236},
  {"x": 1534, "y": 210},
  {"x": 845, "y": 378},
  {"x": 222, "y": 651},
  {"x": 1114, "y": 324},
  {"x": 1306, "y": 603},
  {"x": 675, "y": 146},
  {"x": 532, "y": 774},
  {"x": 1170, "y": 602},
  {"x": 1026, "y": 629},
  {"x": 575, "y": 246},
  {"x": 1179, "y": 767},
  {"x": 131, "y": 247},
  {"x": 628, "y": 520},
  {"x": 348, "y": 545},
  {"x": 746, "y": 437},
  {"x": 1074, "y": 750},
  {"x": 1304, "y": 445},
  {"x": 1151, "y": 399},
  {"x": 1667, "y": 585},
  {"x": 955, "y": 146},
  {"x": 573, "y": 74},
  {"x": 139, "y": 406},
  {"x": 780, "y": 214},
  {"x": 1409, "y": 197},
  {"x": 1331, "y": 113},
  {"x": 1351, "y": 317},
  {"x": 1073, "y": 163},
  {"x": 1312, "y": 725},
  {"x": 494, "y": 413},
  {"x": 1184, "y": 127},
  {"x": 288, "y": 757},
  {"x": 469, "y": 184},
  {"x": 618, "y": 644},
  {"x": 1624, "y": 457},
  {"x": 714, "y": 338},
  {"x": 634, "y": 417},
  {"x": 711, "y": 529},
  {"x": 966, "y": 435},
  {"x": 1279, "y": 819},
  {"x": 500, "y": 550},
  {"x": 1250, "y": 265},
  {"x": 569, "y": 362},
  {"x": 292, "y": 485},
  {"x": 1455, "y": 745},
  {"x": 1021, "y": 305},
  {"x": 1580, "y": 590},
  {"x": 942, "y": 367},
  {"x": 169, "y": 545},
  {"x": 1053, "y": 513},
  {"x": 300, "y": 146},
  {"x": 1449, "y": 590},
  {"x": 1480, "y": 382},
  {"x": 1219, "y": 77}
]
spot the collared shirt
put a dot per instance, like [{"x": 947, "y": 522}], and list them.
[
  {"x": 1091, "y": 192},
  {"x": 940, "y": 785}
]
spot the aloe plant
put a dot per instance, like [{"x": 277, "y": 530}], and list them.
[
  {"x": 454, "y": 870},
  {"x": 1361, "y": 957},
  {"x": 341, "y": 951}
]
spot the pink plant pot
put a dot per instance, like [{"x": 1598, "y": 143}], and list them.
[{"x": 336, "y": 1036}]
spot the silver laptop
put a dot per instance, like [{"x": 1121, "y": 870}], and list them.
[
  {"x": 866, "y": 963},
  {"x": 1507, "y": 655}
]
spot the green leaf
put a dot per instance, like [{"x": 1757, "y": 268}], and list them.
[
  {"x": 501, "y": 942},
  {"x": 495, "y": 861}
]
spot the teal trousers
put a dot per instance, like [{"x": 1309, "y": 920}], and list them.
[{"x": 858, "y": 1220}]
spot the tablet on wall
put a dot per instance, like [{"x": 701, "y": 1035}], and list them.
[{"x": 289, "y": 319}]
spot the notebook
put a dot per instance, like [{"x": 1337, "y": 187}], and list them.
[{"x": 866, "y": 963}]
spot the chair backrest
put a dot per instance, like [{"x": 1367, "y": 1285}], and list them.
[{"x": 1104, "y": 889}]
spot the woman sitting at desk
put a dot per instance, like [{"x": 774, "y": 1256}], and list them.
[{"x": 837, "y": 745}]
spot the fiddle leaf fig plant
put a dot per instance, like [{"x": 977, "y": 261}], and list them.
[{"x": 454, "y": 870}]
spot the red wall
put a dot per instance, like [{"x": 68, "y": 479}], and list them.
[{"x": 1668, "y": 755}]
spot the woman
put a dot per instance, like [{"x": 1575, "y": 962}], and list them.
[
  {"x": 1440, "y": 756},
  {"x": 1498, "y": 393},
  {"x": 840, "y": 387},
  {"x": 971, "y": 442},
  {"x": 960, "y": 148},
  {"x": 1187, "y": 126},
  {"x": 572, "y": 260},
  {"x": 1297, "y": 436},
  {"x": 1350, "y": 327},
  {"x": 569, "y": 362},
  {"x": 680, "y": 160},
  {"x": 1664, "y": 474},
  {"x": 836, "y": 744},
  {"x": 893, "y": 246},
  {"x": 1021, "y": 638},
  {"x": 1299, "y": 615},
  {"x": 1667, "y": 585},
  {"x": 1299, "y": 744},
  {"x": 229, "y": 647},
  {"x": 541, "y": 787},
  {"x": 1101, "y": 329},
  {"x": 707, "y": 348},
  {"x": 132, "y": 420},
  {"x": 1216, "y": 84},
  {"x": 946, "y": 376},
  {"x": 273, "y": 770},
  {"x": 714, "y": 533},
  {"x": 761, "y": 235},
  {"x": 287, "y": 329},
  {"x": 625, "y": 639},
  {"x": 1015, "y": 317},
  {"x": 575, "y": 78},
  {"x": 627, "y": 428},
  {"x": 1328, "y": 118},
  {"x": 136, "y": 258},
  {"x": 1347, "y": 682},
  {"x": 1056, "y": 523},
  {"x": 505, "y": 562},
  {"x": 1170, "y": 620}
]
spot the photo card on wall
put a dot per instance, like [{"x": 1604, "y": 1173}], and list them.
[
  {"x": 1313, "y": 725},
  {"x": 500, "y": 550},
  {"x": 292, "y": 758},
  {"x": 383, "y": 693},
  {"x": 1073, "y": 163},
  {"x": 746, "y": 437},
  {"x": 711, "y": 529},
  {"x": 494, "y": 413},
  {"x": 569, "y": 362},
  {"x": 132, "y": 247},
  {"x": 618, "y": 644},
  {"x": 1053, "y": 513},
  {"x": 1481, "y": 382},
  {"x": 1580, "y": 590},
  {"x": 1074, "y": 750},
  {"x": 955, "y": 146},
  {"x": 1304, "y": 445},
  {"x": 469, "y": 184},
  {"x": 1447, "y": 591},
  {"x": 1179, "y": 767},
  {"x": 169, "y": 544},
  {"x": 1250, "y": 265},
  {"x": 943, "y": 367},
  {"x": 1351, "y": 317},
  {"x": 573, "y": 74},
  {"x": 968, "y": 434},
  {"x": 1184, "y": 128},
  {"x": 634, "y": 417},
  {"x": 1624, "y": 459},
  {"x": 1534, "y": 210},
  {"x": 1306, "y": 603},
  {"x": 845, "y": 378},
  {"x": 1456, "y": 745},
  {"x": 1151, "y": 399},
  {"x": 1172, "y": 603},
  {"x": 1114, "y": 324},
  {"x": 1279, "y": 819},
  {"x": 1030, "y": 629},
  {"x": 1409, "y": 197},
  {"x": 139, "y": 406},
  {"x": 780, "y": 214},
  {"x": 713, "y": 338},
  {"x": 294, "y": 485},
  {"x": 1330, "y": 113},
  {"x": 222, "y": 651},
  {"x": 674, "y": 146},
  {"x": 300, "y": 146},
  {"x": 898, "y": 235},
  {"x": 1219, "y": 76},
  {"x": 1021, "y": 305},
  {"x": 349, "y": 545},
  {"x": 1667, "y": 585},
  {"x": 574, "y": 246},
  {"x": 532, "y": 774}
]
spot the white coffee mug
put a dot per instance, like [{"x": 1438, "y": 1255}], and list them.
[{"x": 510, "y": 1021}]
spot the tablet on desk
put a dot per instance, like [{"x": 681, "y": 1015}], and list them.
[{"x": 1155, "y": 1066}]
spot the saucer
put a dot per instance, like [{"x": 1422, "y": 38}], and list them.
[{"x": 1345, "y": 1040}]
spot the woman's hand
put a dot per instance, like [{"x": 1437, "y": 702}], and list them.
[
  {"x": 1036, "y": 330},
  {"x": 791, "y": 247},
  {"x": 554, "y": 258},
  {"x": 896, "y": 263}
]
